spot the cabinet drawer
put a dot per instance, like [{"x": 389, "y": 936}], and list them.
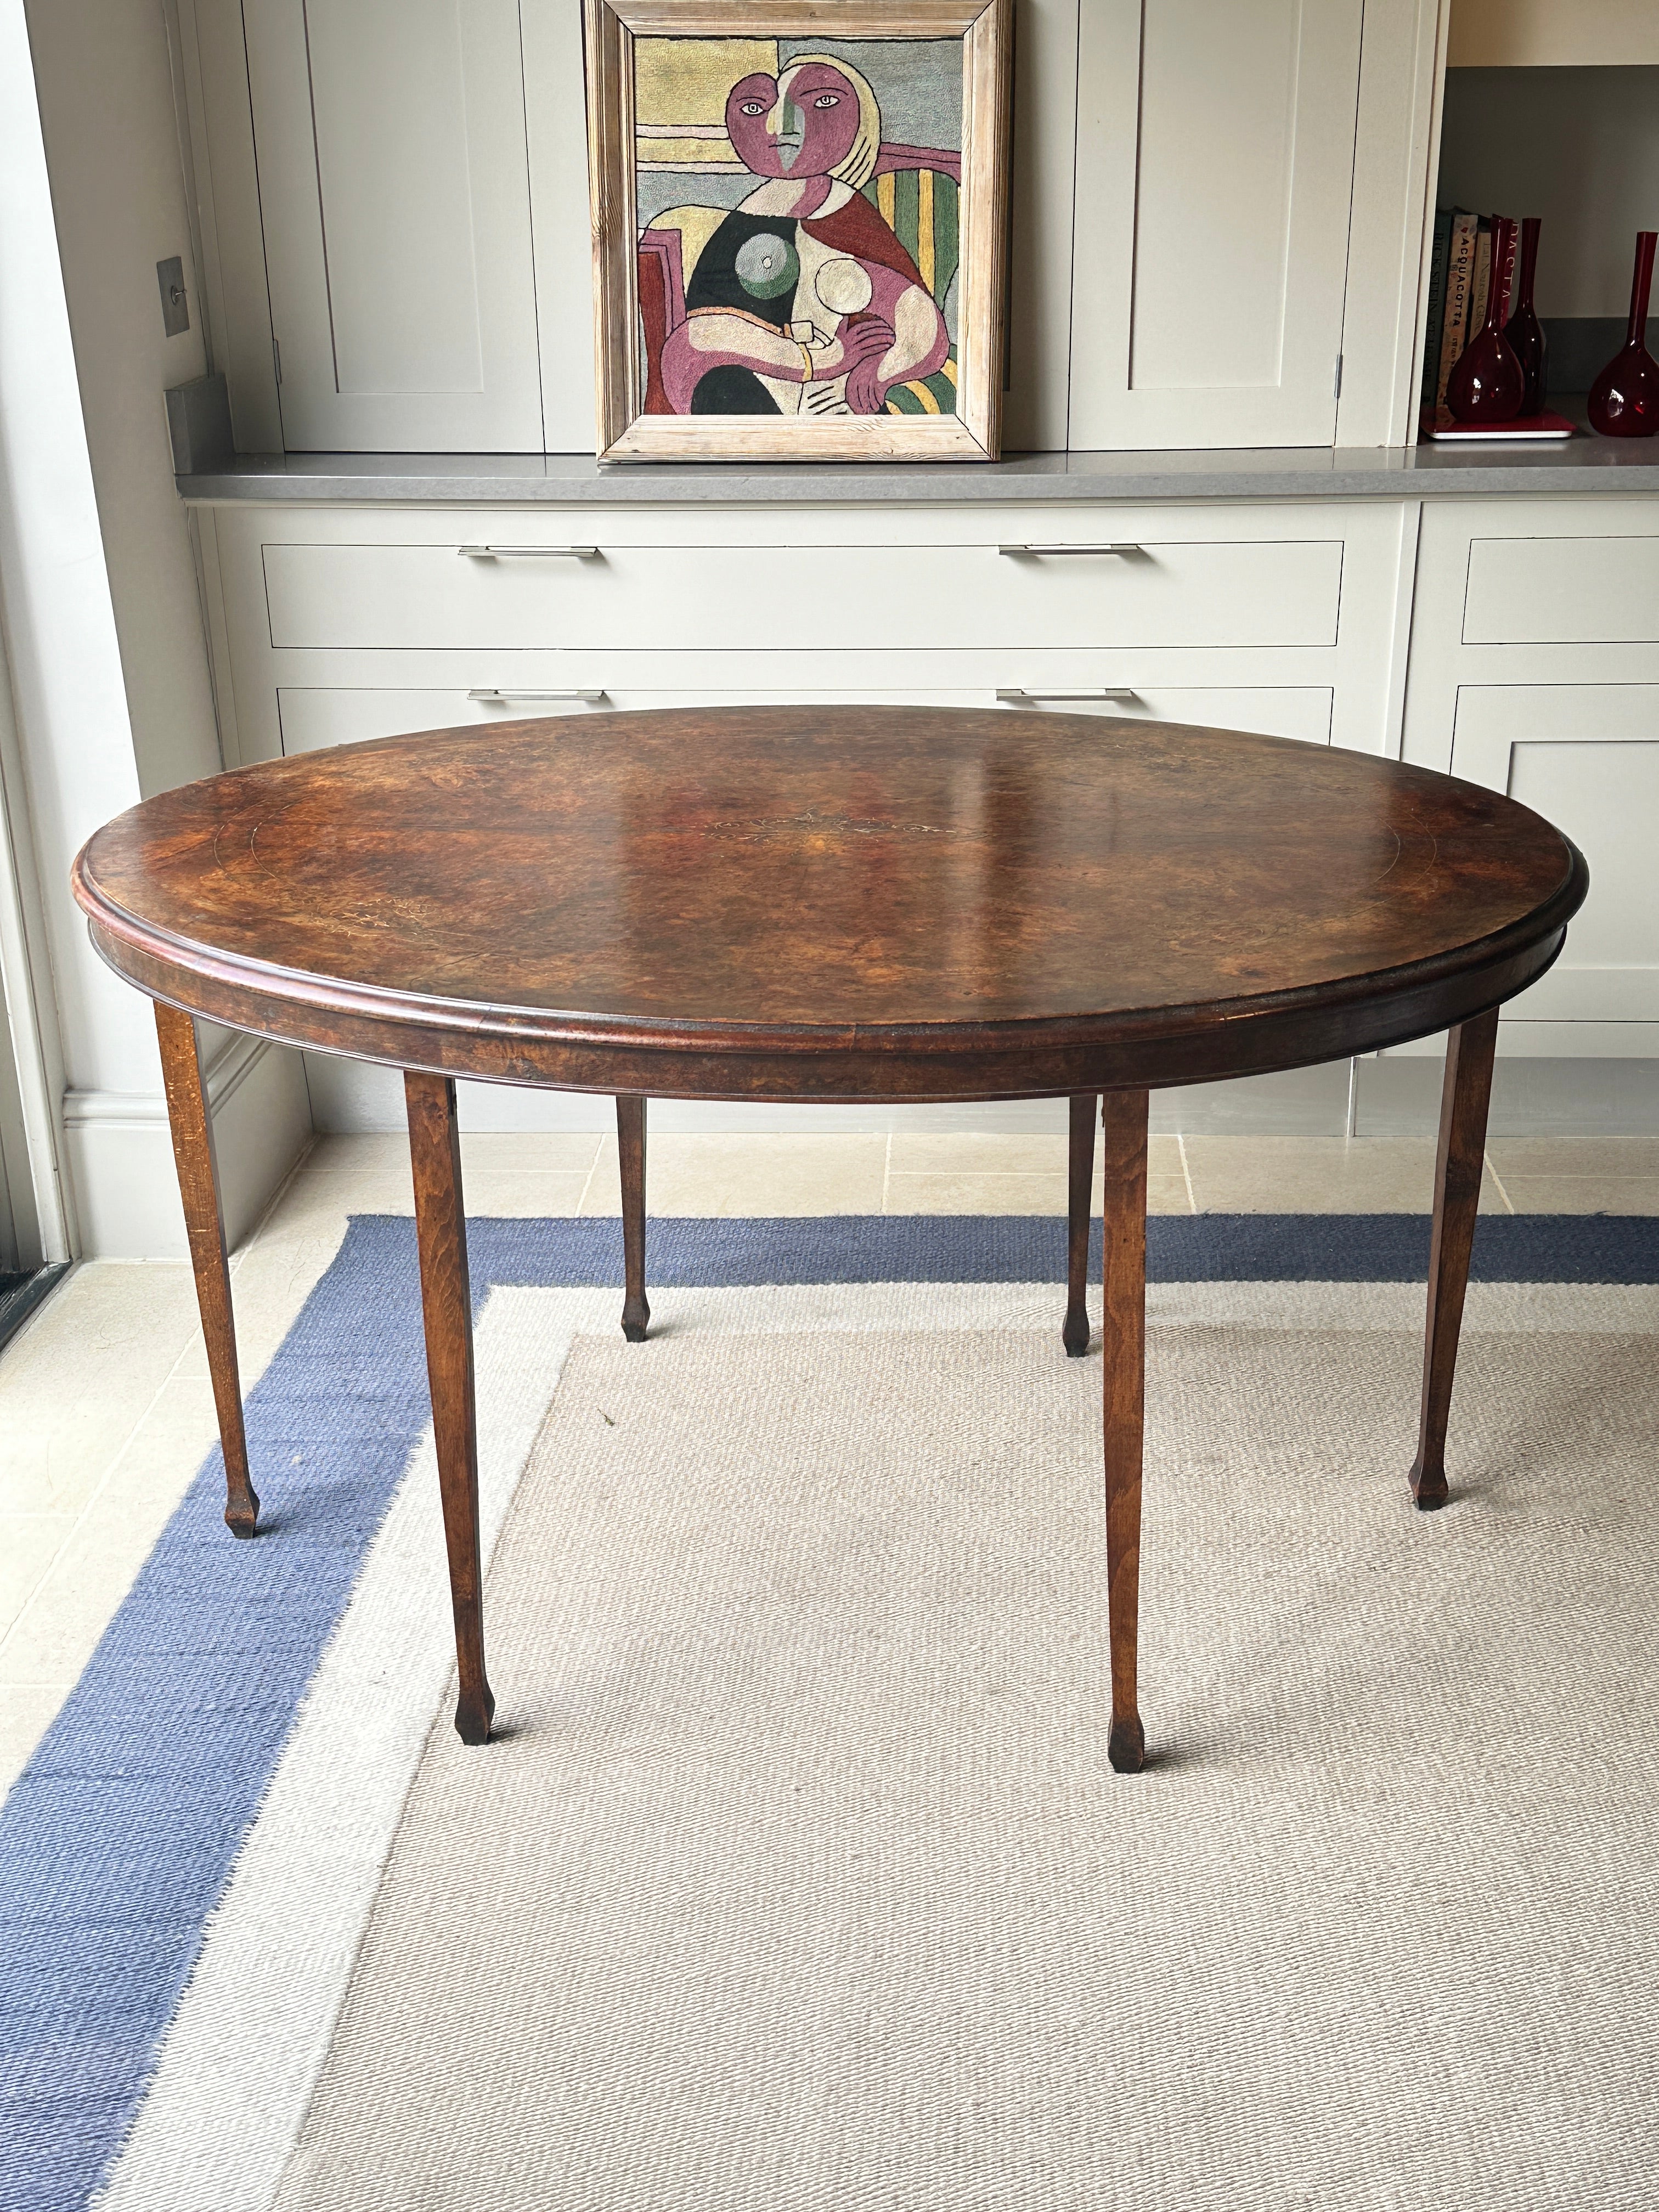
[
  {"x": 1562, "y": 590},
  {"x": 1273, "y": 710},
  {"x": 1269, "y": 592},
  {"x": 313, "y": 716}
]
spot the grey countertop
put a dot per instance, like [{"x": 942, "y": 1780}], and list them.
[{"x": 1587, "y": 464}]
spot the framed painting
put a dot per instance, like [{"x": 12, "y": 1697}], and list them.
[{"x": 800, "y": 227}]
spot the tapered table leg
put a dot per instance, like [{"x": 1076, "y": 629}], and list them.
[
  {"x": 198, "y": 1187},
  {"x": 1457, "y": 1172},
  {"x": 1123, "y": 1129},
  {"x": 1075, "y": 1335},
  {"x": 435, "y": 1152},
  {"x": 630, "y": 1147}
]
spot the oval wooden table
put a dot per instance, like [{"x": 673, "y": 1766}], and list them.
[{"x": 870, "y": 905}]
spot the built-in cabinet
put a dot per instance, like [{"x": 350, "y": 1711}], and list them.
[
  {"x": 409, "y": 177},
  {"x": 343, "y": 624},
  {"x": 1218, "y": 241}
]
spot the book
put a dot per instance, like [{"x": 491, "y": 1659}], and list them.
[
  {"x": 1505, "y": 276},
  {"x": 1460, "y": 269},
  {"x": 1435, "y": 318}
]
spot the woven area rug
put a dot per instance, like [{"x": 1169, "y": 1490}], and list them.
[{"x": 798, "y": 1877}]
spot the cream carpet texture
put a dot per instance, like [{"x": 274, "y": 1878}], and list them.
[{"x": 800, "y": 1880}]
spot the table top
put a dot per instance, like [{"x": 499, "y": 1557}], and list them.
[{"x": 832, "y": 902}]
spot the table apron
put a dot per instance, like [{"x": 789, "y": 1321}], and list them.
[{"x": 870, "y": 1069}]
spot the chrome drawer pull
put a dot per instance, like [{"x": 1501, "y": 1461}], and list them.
[
  {"x": 500, "y": 698},
  {"x": 1031, "y": 698},
  {"x": 529, "y": 552},
  {"x": 1045, "y": 552}
]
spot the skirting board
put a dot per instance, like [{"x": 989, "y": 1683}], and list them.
[
  {"x": 349, "y": 1098},
  {"x": 1530, "y": 1040},
  {"x": 120, "y": 1154},
  {"x": 1394, "y": 1096},
  {"x": 1398, "y": 1094}
]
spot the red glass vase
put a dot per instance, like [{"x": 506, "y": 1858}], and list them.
[
  {"x": 1488, "y": 383},
  {"x": 1623, "y": 400},
  {"x": 1523, "y": 329}
]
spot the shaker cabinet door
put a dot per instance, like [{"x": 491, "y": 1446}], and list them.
[
  {"x": 1586, "y": 757},
  {"x": 1214, "y": 179},
  {"x": 395, "y": 196}
]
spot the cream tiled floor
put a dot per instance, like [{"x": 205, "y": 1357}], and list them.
[{"x": 105, "y": 1408}]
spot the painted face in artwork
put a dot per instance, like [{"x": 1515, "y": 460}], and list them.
[{"x": 798, "y": 124}]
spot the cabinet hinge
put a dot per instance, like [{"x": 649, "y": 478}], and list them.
[
  {"x": 276, "y": 358},
  {"x": 1336, "y": 387}
]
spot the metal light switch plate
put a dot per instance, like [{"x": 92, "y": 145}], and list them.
[{"x": 175, "y": 306}]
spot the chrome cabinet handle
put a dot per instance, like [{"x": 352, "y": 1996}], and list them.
[
  {"x": 528, "y": 552},
  {"x": 1031, "y": 698},
  {"x": 1045, "y": 552},
  {"x": 500, "y": 698}
]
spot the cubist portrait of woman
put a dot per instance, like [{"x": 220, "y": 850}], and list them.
[{"x": 811, "y": 268}]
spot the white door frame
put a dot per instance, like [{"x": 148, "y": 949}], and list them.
[{"x": 30, "y": 1016}]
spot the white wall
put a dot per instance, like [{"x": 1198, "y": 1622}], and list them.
[
  {"x": 118, "y": 193},
  {"x": 1531, "y": 34},
  {"x": 109, "y": 665},
  {"x": 75, "y": 738}
]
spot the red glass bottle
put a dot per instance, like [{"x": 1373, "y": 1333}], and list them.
[
  {"x": 1623, "y": 400},
  {"x": 1488, "y": 383},
  {"x": 1523, "y": 329}
]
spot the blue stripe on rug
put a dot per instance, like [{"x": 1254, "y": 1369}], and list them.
[
  {"x": 1208, "y": 1248},
  {"x": 117, "y": 1841}
]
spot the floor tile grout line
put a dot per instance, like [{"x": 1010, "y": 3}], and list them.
[
  {"x": 275, "y": 1199},
  {"x": 593, "y": 1168},
  {"x": 1508, "y": 1201}
]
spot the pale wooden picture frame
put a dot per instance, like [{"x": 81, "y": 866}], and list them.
[{"x": 626, "y": 430}]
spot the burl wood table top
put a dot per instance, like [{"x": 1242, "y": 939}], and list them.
[{"x": 832, "y": 902}]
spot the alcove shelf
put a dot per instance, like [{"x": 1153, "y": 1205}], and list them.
[{"x": 1577, "y": 144}]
